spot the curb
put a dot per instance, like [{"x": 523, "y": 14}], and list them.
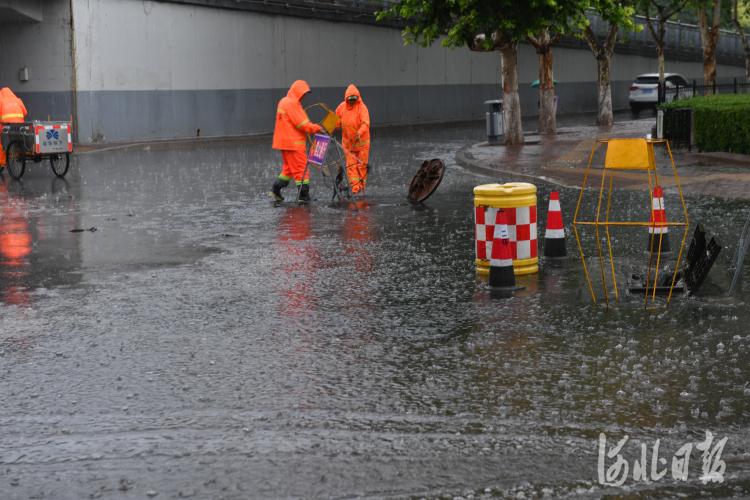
[
  {"x": 726, "y": 156},
  {"x": 182, "y": 143},
  {"x": 477, "y": 168}
]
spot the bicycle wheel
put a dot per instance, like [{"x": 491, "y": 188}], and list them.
[
  {"x": 15, "y": 159},
  {"x": 60, "y": 164}
]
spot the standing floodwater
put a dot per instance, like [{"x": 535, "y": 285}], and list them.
[{"x": 205, "y": 343}]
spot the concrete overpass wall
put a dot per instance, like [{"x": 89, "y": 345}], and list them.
[
  {"x": 150, "y": 69},
  {"x": 36, "y": 35},
  {"x": 157, "y": 69}
]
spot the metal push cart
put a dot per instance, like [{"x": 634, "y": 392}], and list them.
[{"x": 36, "y": 141}]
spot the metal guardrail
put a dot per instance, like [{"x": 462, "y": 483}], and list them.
[
  {"x": 368, "y": 6},
  {"x": 679, "y": 37},
  {"x": 719, "y": 86},
  {"x": 677, "y": 126},
  {"x": 683, "y": 41}
]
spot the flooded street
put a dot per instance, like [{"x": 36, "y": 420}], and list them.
[{"x": 205, "y": 343}]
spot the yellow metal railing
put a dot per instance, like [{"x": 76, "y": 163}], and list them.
[{"x": 628, "y": 154}]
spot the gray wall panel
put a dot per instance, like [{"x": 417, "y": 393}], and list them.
[
  {"x": 41, "y": 105},
  {"x": 136, "y": 115}
]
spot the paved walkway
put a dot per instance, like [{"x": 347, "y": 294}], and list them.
[{"x": 562, "y": 160}]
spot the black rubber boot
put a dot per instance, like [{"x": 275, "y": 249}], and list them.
[
  {"x": 304, "y": 194},
  {"x": 278, "y": 185}
]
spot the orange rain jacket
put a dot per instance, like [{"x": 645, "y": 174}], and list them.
[
  {"x": 292, "y": 122},
  {"x": 354, "y": 120},
  {"x": 12, "y": 109}
]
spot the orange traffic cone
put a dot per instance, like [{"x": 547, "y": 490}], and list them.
[
  {"x": 501, "y": 261},
  {"x": 554, "y": 238},
  {"x": 658, "y": 236}
]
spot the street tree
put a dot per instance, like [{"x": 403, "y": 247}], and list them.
[
  {"x": 663, "y": 10},
  {"x": 741, "y": 30},
  {"x": 616, "y": 14},
  {"x": 543, "y": 43},
  {"x": 486, "y": 26},
  {"x": 709, "y": 37}
]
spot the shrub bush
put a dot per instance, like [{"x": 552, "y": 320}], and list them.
[{"x": 720, "y": 122}]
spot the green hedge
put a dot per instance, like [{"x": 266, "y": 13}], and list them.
[{"x": 720, "y": 122}]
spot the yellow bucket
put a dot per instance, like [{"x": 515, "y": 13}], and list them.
[{"x": 518, "y": 200}]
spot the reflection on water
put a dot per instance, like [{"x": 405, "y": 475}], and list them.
[
  {"x": 36, "y": 246},
  {"x": 298, "y": 256}
]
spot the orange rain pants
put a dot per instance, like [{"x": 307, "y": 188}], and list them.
[
  {"x": 356, "y": 168},
  {"x": 294, "y": 166}
]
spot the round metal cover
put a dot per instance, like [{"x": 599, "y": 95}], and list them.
[{"x": 426, "y": 180}]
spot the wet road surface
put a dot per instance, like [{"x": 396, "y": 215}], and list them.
[{"x": 205, "y": 343}]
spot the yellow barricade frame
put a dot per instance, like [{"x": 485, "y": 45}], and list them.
[{"x": 628, "y": 154}]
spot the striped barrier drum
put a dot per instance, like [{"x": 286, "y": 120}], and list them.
[{"x": 518, "y": 200}]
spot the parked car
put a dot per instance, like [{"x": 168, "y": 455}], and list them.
[{"x": 644, "y": 93}]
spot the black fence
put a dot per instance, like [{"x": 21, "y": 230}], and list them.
[
  {"x": 677, "y": 126},
  {"x": 725, "y": 86}
]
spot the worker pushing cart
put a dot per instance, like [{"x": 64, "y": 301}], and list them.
[{"x": 23, "y": 141}]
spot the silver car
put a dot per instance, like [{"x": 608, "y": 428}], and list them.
[{"x": 644, "y": 91}]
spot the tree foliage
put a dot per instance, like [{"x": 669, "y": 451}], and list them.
[
  {"x": 690, "y": 15},
  {"x": 459, "y": 21},
  {"x": 662, "y": 10},
  {"x": 616, "y": 13}
]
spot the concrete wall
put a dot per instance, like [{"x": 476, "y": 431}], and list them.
[
  {"x": 149, "y": 69},
  {"x": 36, "y": 35}
]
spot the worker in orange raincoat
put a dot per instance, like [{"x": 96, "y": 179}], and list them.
[
  {"x": 292, "y": 124},
  {"x": 12, "y": 110},
  {"x": 355, "y": 127}
]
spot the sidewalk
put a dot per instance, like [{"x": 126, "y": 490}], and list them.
[{"x": 562, "y": 159}]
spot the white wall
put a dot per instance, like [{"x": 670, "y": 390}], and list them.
[
  {"x": 143, "y": 45},
  {"x": 149, "y": 69}
]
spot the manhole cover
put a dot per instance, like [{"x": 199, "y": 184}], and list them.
[{"x": 426, "y": 180}]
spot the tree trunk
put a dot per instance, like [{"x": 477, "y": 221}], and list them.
[
  {"x": 709, "y": 39},
  {"x": 745, "y": 44},
  {"x": 547, "y": 116},
  {"x": 709, "y": 66},
  {"x": 603, "y": 54},
  {"x": 508, "y": 47},
  {"x": 604, "y": 117},
  {"x": 658, "y": 38},
  {"x": 660, "y": 56},
  {"x": 511, "y": 100}
]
